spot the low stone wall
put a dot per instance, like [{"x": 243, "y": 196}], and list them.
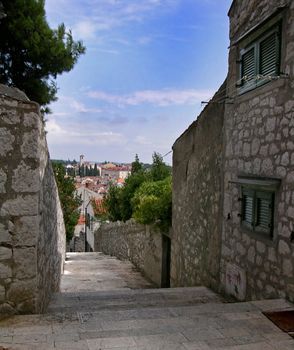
[
  {"x": 32, "y": 233},
  {"x": 134, "y": 242}
]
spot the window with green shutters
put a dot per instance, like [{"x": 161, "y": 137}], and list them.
[
  {"x": 260, "y": 60},
  {"x": 257, "y": 210}
]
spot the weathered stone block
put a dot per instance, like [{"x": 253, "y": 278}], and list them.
[
  {"x": 6, "y": 141},
  {"x": 281, "y": 171},
  {"x": 20, "y": 291},
  {"x": 272, "y": 255},
  {"x": 2, "y": 294},
  {"x": 23, "y": 205},
  {"x": 287, "y": 268},
  {"x": 5, "y": 271},
  {"x": 5, "y": 253},
  {"x": 273, "y": 149},
  {"x": 284, "y": 248},
  {"x": 10, "y": 117},
  {"x": 285, "y": 159},
  {"x": 260, "y": 247},
  {"x": 255, "y": 146},
  {"x": 26, "y": 230},
  {"x": 267, "y": 166},
  {"x": 251, "y": 255},
  {"x": 7, "y": 309},
  {"x": 30, "y": 145},
  {"x": 25, "y": 179},
  {"x": 270, "y": 124},
  {"x": 3, "y": 179},
  {"x": 25, "y": 262},
  {"x": 4, "y": 234},
  {"x": 32, "y": 119},
  {"x": 290, "y": 212}
]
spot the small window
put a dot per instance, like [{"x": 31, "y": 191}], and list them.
[
  {"x": 260, "y": 60},
  {"x": 257, "y": 210}
]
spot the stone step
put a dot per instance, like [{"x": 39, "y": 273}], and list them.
[{"x": 131, "y": 299}]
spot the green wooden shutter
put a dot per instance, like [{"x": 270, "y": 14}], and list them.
[
  {"x": 248, "y": 66},
  {"x": 264, "y": 207},
  {"x": 248, "y": 207},
  {"x": 269, "y": 55}
]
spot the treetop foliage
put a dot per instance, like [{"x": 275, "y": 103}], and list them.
[
  {"x": 146, "y": 195},
  {"x": 31, "y": 53},
  {"x": 136, "y": 165},
  {"x": 152, "y": 203}
]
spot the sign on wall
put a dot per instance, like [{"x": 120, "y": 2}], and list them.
[{"x": 235, "y": 281}]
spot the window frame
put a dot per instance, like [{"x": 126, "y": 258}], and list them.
[
  {"x": 256, "y": 194},
  {"x": 255, "y": 44}
]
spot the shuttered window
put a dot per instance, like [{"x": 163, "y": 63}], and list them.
[
  {"x": 248, "y": 65},
  {"x": 260, "y": 61},
  {"x": 257, "y": 210},
  {"x": 248, "y": 207},
  {"x": 269, "y": 55}
]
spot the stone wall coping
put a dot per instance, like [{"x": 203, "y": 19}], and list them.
[{"x": 16, "y": 94}]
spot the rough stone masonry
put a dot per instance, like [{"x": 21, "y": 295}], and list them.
[
  {"x": 32, "y": 233},
  {"x": 248, "y": 134}
]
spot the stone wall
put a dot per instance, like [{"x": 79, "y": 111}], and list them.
[
  {"x": 197, "y": 181},
  {"x": 32, "y": 233},
  {"x": 259, "y": 141},
  {"x": 134, "y": 242}
]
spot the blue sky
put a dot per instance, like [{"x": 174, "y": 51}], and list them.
[{"x": 148, "y": 66}]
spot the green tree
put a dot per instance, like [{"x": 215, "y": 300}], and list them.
[
  {"x": 136, "y": 165},
  {"x": 132, "y": 183},
  {"x": 152, "y": 203},
  {"x": 31, "y": 53},
  {"x": 70, "y": 202},
  {"x": 159, "y": 170},
  {"x": 146, "y": 195},
  {"x": 112, "y": 203},
  {"x": 96, "y": 171}
]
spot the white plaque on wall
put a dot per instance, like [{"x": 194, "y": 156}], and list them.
[{"x": 235, "y": 281}]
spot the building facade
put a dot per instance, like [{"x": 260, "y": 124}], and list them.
[{"x": 257, "y": 157}]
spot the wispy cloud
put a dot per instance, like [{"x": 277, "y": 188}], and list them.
[
  {"x": 68, "y": 134},
  {"x": 164, "y": 97},
  {"x": 73, "y": 105},
  {"x": 85, "y": 29},
  {"x": 142, "y": 140},
  {"x": 96, "y": 16}
]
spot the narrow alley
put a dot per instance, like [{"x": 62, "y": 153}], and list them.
[{"x": 106, "y": 304}]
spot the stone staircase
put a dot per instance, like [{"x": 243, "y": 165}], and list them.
[
  {"x": 141, "y": 319},
  {"x": 158, "y": 319},
  {"x": 125, "y": 299}
]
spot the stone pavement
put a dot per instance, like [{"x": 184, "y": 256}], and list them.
[
  {"x": 142, "y": 319},
  {"x": 96, "y": 271}
]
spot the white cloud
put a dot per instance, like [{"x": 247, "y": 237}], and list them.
[
  {"x": 142, "y": 140},
  {"x": 84, "y": 30},
  {"x": 76, "y": 134},
  {"x": 163, "y": 97},
  {"x": 89, "y": 17},
  {"x": 65, "y": 105},
  {"x": 80, "y": 107}
]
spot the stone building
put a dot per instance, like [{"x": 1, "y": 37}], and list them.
[{"x": 250, "y": 182}]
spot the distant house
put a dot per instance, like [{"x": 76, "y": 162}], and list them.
[
  {"x": 115, "y": 172},
  {"x": 233, "y": 208}
]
